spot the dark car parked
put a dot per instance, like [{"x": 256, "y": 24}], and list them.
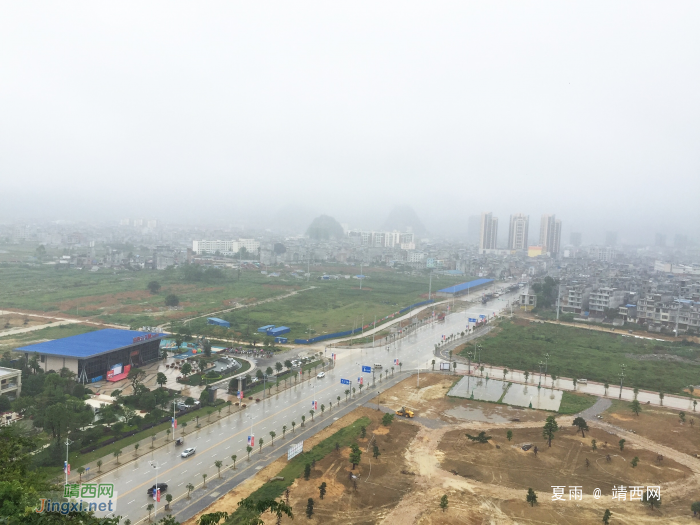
[{"x": 162, "y": 486}]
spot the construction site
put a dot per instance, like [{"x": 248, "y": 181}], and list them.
[{"x": 485, "y": 457}]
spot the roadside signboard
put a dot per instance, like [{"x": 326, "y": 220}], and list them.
[
  {"x": 295, "y": 449},
  {"x": 344, "y": 381},
  {"x": 366, "y": 369},
  {"x": 444, "y": 366}
]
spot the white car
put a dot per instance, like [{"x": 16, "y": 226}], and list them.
[
  {"x": 187, "y": 452},
  {"x": 321, "y": 375}
]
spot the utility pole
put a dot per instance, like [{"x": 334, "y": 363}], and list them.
[{"x": 430, "y": 285}]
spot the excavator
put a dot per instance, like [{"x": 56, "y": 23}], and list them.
[{"x": 404, "y": 412}]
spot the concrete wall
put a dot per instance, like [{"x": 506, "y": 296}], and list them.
[{"x": 56, "y": 363}]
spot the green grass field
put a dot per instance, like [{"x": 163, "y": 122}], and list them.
[
  {"x": 121, "y": 297},
  {"x": 596, "y": 356},
  {"x": 54, "y": 332},
  {"x": 573, "y": 403}
]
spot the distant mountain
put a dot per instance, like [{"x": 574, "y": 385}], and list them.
[
  {"x": 404, "y": 218},
  {"x": 324, "y": 227}
]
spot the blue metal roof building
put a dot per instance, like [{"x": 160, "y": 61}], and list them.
[
  {"x": 218, "y": 322},
  {"x": 459, "y": 289},
  {"x": 266, "y": 328},
  {"x": 92, "y": 354},
  {"x": 278, "y": 331}
]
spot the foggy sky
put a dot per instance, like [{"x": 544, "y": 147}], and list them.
[{"x": 235, "y": 110}]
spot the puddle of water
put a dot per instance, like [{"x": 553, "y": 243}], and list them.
[
  {"x": 526, "y": 395},
  {"x": 474, "y": 414},
  {"x": 479, "y": 388}
]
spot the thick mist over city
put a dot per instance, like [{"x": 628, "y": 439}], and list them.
[
  {"x": 378, "y": 262},
  {"x": 266, "y": 116}
]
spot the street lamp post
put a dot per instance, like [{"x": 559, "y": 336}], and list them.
[
  {"x": 541, "y": 365},
  {"x": 622, "y": 376},
  {"x": 546, "y": 362},
  {"x": 68, "y": 442},
  {"x": 155, "y": 467},
  {"x": 470, "y": 354}
]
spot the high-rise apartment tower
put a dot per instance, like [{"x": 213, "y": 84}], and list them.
[{"x": 517, "y": 233}]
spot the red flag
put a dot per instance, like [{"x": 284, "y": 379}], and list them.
[{"x": 158, "y": 495}]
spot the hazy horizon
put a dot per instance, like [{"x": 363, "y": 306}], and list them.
[{"x": 240, "y": 112}]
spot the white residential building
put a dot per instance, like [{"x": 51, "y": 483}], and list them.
[
  {"x": 488, "y": 233},
  {"x": 226, "y": 247},
  {"x": 602, "y": 253},
  {"x": 384, "y": 239},
  {"x": 518, "y": 231},
  {"x": 605, "y": 297},
  {"x": 550, "y": 235}
]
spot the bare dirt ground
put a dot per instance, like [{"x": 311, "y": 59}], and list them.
[
  {"x": 10, "y": 320},
  {"x": 429, "y": 456},
  {"x": 659, "y": 424}
]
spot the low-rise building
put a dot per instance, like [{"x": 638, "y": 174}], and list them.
[
  {"x": 10, "y": 382},
  {"x": 605, "y": 298},
  {"x": 528, "y": 301}
]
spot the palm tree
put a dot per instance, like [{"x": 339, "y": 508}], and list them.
[
  {"x": 505, "y": 373},
  {"x": 116, "y": 454},
  {"x": 353, "y": 391},
  {"x": 294, "y": 423},
  {"x": 149, "y": 508},
  {"x": 190, "y": 488},
  {"x": 636, "y": 391},
  {"x": 99, "y": 465},
  {"x": 153, "y": 440},
  {"x": 661, "y": 397},
  {"x": 303, "y": 420},
  {"x": 574, "y": 381},
  {"x": 204, "y": 477},
  {"x": 481, "y": 369},
  {"x": 80, "y": 474},
  {"x": 218, "y": 463},
  {"x": 527, "y": 375},
  {"x": 400, "y": 365},
  {"x": 360, "y": 387},
  {"x": 136, "y": 449},
  {"x": 606, "y": 386},
  {"x": 338, "y": 398},
  {"x": 261, "y": 444},
  {"x": 284, "y": 430},
  {"x": 432, "y": 363},
  {"x": 249, "y": 449},
  {"x": 347, "y": 393},
  {"x": 312, "y": 414},
  {"x": 272, "y": 435},
  {"x": 168, "y": 498},
  {"x": 323, "y": 408}
]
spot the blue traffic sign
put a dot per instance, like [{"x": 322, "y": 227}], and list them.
[
  {"x": 344, "y": 381},
  {"x": 366, "y": 369}
]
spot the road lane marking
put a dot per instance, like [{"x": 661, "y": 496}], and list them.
[
  {"x": 131, "y": 502},
  {"x": 234, "y": 435}
]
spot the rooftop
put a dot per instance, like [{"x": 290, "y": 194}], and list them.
[
  {"x": 91, "y": 344},
  {"x": 465, "y": 286}
]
